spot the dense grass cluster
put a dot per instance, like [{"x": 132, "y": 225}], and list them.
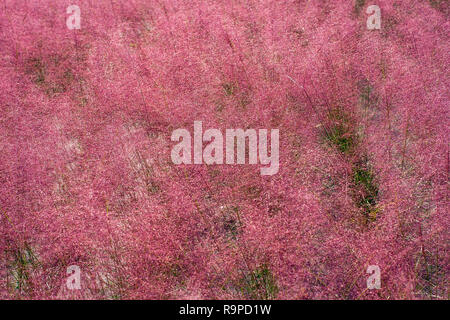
[{"x": 86, "y": 176}]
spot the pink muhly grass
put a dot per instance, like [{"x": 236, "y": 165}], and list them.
[{"x": 86, "y": 177}]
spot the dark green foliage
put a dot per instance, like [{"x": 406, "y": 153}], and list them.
[
  {"x": 229, "y": 88},
  {"x": 260, "y": 284},
  {"x": 49, "y": 76},
  {"x": 366, "y": 189}
]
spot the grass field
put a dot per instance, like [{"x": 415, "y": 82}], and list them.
[{"x": 93, "y": 207}]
